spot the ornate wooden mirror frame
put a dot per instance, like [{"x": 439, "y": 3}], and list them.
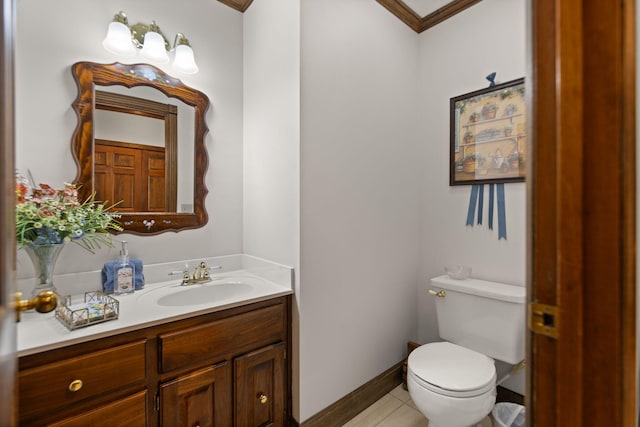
[{"x": 87, "y": 75}]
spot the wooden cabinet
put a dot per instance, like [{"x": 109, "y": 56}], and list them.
[
  {"x": 130, "y": 411},
  {"x": 201, "y": 398},
  {"x": 259, "y": 387},
  {"x": 213, "y": 341},
  {"x": 116, "y": 371},
  {"x": 222, "y": 369}
]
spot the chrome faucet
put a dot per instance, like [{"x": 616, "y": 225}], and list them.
[{"x": 200, "y": 275}]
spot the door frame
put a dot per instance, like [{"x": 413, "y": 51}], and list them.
[
  {"x": 581, "y": 191},
  {"x": 8, "y": 363}
]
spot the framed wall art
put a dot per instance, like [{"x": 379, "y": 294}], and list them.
[{"x": 488, "y": 135}]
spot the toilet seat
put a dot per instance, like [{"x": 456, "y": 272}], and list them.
[{"x": 452, "y": 370}]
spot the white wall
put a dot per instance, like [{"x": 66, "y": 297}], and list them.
[
  {"x": 361, "y": 174},
  {"x": 455, "y": 57},
  {"x": 51, "y": 36},
  {"x": 272, "y": 141},
  {"x": 272, "y": 129}
]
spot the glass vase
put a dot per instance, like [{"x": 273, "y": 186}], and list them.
[{"x": 44, "y": 259}]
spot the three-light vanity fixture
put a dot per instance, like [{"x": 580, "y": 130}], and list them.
[{"x": 124, "y": 40}]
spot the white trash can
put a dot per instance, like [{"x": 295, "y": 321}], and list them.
[{"x": 507, "y": 414}]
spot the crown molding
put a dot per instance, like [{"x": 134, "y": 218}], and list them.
[
  {"x": 418, "y": 24},
  {"x": 398, "y": 8},
  {"x": 239, "y": 5},
  {"x": 404, "y": 12}
]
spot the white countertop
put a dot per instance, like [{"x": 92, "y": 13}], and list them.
[{"x": 38, "y": 332}]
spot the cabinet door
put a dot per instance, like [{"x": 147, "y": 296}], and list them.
[
  {"x": 259, "y": 387},
  {"x": 199, "y": 399}
]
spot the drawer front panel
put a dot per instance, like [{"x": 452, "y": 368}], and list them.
[
  {"x": 64, "y": 383},
  {"x": 206, "y": 343},
  {"x": 130, "y": 411}
]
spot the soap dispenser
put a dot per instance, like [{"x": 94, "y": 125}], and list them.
[{"x": 125, "y": 272}]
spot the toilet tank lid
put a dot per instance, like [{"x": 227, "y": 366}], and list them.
[{"x": 484, "y": 288}]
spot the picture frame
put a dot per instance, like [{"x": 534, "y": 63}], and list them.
[{"x": 488, "y": 138}]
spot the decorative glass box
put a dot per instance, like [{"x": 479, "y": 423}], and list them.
[{"x": 97, "y": 307}]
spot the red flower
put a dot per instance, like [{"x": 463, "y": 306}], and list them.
[{"x": 21, "y": 192}]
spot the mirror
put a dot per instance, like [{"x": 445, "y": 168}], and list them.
[{"x": 140, "y": 140}]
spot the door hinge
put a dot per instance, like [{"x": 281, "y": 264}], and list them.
[
  {"x": 157, "y": 408},
  {"x": 543, "y": 319}
]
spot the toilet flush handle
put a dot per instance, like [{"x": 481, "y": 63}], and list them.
[{"x": 440, "y": 294}]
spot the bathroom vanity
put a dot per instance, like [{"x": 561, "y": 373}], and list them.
[{"x": 224, "y": 365}]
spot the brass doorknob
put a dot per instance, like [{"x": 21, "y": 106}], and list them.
[
  {"x": 75, "y": 385},
  {"x": 44, "y": 302},
  {"x": 263, "y": 398}
]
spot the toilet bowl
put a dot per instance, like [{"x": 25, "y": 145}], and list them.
[
  {"x": 451, "y": 385},
  {"x": 453, "y": 382}
]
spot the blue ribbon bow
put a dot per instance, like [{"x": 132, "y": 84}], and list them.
[{"x": 477, "y": 198}]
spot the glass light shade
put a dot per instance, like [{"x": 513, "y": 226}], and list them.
[
  {"x": 184, "y": 61},
  {"x": 154, "y": 48},
  {"x": 118, "y": 40}
]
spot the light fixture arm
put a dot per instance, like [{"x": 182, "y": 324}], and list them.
[
  {"x": 139, "y": 30},
  {"x": 180, "y": 40},
  {"x": 121, "y": 17}
]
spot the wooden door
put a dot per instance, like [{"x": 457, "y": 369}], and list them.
[
  {"x": 8, "y": 395},
  {"x": 259, "y": 388},
  {"x": 118, "y": 176},
  {"x": 154, "y": 182},
  {"x": 202, "y": 398},
  {"x": 133, "y": 174},
  {"x": 581, "y": 207}
]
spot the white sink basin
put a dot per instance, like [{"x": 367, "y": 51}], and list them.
[
  {"x": 219, "y": 290},
  {"x": 204, "y": 293}
]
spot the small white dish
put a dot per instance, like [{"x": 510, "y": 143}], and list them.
[{"x": 458, "y": 272}]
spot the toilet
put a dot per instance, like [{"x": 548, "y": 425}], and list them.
[{"x": 453, "y": 382}]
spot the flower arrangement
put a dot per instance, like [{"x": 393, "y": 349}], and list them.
[{"x": 46, "y": 216}]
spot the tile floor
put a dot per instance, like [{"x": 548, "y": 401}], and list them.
[{"x": 396, "y": 409}]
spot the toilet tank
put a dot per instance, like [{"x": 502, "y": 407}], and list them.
[{"x": 487, "y": 317}]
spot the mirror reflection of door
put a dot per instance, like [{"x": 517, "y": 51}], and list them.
[
  {"x": 133, "y": 174},
  {"x": 135, "y": 153}
]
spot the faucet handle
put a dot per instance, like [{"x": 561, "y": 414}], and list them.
[
  {"x": 185, "y": 275},
  {"x": 203, "y": 271},
  {"x": 178, "y": 273}
]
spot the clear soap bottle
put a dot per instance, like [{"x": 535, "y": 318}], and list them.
[{"x": 125, "y": 272}]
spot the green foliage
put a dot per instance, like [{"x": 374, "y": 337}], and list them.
[{"x": 46, "y": 216}]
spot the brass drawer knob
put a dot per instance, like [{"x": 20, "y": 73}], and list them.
[
  {"x": 75, "y": 385},
  {"x": 263, "y": 398}
]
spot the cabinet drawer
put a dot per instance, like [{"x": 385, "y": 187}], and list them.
[
  {"x": 206, "y": 343},
  {"x": 130, "y": 411},
  {"x": 51, "y": 386}
]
